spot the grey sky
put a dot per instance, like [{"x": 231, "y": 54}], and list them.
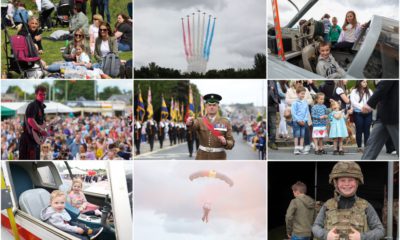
[
  {"x": 27, "y": 85},
  {"x": 364, "y": 10},
  {"x": 234, "y": 90},
  {"x": 173, "y": 210},
  {"x": 239, "y": 32}
]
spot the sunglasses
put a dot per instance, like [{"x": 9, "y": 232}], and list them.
[
  {"x": 103, "y": 30},
  {"x": 78, "y": 35}
]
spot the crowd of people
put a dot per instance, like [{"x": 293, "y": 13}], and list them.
[
  {"x": 92, "y": 137},
  {"x": 330, "y": 112},
  {"x": 88, "y": 45}
]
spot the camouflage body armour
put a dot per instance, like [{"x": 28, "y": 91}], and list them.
[{"x": 344, "y": 219}]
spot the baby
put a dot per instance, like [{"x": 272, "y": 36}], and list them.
[{"x": 56, "y": 215}]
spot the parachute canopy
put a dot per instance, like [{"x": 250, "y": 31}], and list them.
[{"x": 211, "y": 174}]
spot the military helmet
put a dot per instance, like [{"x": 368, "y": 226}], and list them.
[{"x": 346, "y": 169}]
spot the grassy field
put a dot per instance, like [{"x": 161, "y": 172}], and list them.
[{"x": 52, "y": 51}]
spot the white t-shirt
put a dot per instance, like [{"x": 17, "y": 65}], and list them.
[
  {"x": 104, "y": 48},
  {"x": 355, "y": 100},
  {"x": 93, "y": 30},
  {"x": 339, "y": 91},
  {"x": 83, "y": 58}
]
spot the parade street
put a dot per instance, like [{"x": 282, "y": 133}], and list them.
[
  {"x": 286, "y": 153},
  {"x": 241, "y": 151}
]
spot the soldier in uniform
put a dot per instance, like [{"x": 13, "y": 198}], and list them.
[
  {"x": 161, "y": 132},
  {"x": 214, "y": 132},
  {"x": 172, "y": 133},
  {"x": 138, "y": 135},
  {"x": 190, "y": 139},
  {"x": 151, "y": 130},
  {"x": 347, "y": 216}
]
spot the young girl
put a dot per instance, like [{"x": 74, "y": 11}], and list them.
[
  {"x": 350, "y": 31},
  {"x": 338, "y": 129},
  {"x": 319, "y": 118},
  {"x": 78, "y": 200},
  {"x": 81, "y": 58}
]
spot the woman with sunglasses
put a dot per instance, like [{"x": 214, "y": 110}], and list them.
[
  {"x": 69, "y": 54},
  {"x": 94, "y": 31},
  {"x": 104, "y": 44},
  {"x": 79, "y": 39}
]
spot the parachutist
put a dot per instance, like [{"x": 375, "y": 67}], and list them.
[{"x": 206, "y": 211}]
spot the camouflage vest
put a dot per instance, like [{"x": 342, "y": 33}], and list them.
[{"x": 344, "y": 219}]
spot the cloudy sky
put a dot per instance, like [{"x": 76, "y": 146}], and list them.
[
  {"x": 364, "y": 10},
  {"x": 168, "y": 205},
  {"x": 239, "y": 32},
  {"x": 233, "y": 90},
  {"x": 27, "y": 85}
]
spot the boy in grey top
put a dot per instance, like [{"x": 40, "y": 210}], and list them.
[
  {"x": 300, "y": 214},
  {"x": 56, "y": 215},
  {"x": 327, "y": 66}
]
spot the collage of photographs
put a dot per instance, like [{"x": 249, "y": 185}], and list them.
[{"x": 119, "y": 120}]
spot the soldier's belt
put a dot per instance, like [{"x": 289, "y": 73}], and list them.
[{"x": 210, "y": 149}]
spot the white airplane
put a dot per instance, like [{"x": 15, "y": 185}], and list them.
[{"x": 26, "y": 188}]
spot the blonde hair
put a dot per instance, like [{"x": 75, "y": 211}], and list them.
[
  {"x": 76, "y": 180},
  {"x": 56, "y": 193},
  {"x": 333, "y": 103},
  {"x": 97, "y": 17}
]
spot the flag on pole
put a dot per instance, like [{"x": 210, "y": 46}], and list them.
[
  {"x": 164, "y": 109},
  {"x": 191, "y": 104},
  {"x": 201, "y": 106},
  {"x": 149, "y": 106},
  {"x": 172, "y": 109},
  {"x": 140, "y": 108},
  {"x": 182, "y": 112},
  {"x": 176, "y": 111}
]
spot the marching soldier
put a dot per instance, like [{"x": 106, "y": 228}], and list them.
[
  {"x": 190, "y": 139},
  {"x": 214, "y": 132},
  {"x": 172, "y": 133},
  {"x": 151, "y": 130},
  {"x": 161, "y": 132},
  {"x": 347, "y": 216},
  {"x": 138, "y": 135}
]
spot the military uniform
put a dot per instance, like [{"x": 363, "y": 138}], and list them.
[
  {"x": 210, "y": 146},
  {"x": 151, "y": 130},
  {"x": 190, "y": 139},
  {"x": 161, "y": 133},
  {"x": 345, "y": 213},
  {"x": 137, "y": 136}
]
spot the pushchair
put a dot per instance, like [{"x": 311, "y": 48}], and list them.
[
  {"x": 23, "y": 57},
  {"x": 63, "y": 12}
]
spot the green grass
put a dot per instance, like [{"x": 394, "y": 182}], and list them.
[{"x": 52, "y": 51}]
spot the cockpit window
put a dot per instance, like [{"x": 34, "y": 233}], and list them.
[
  {"x": 384, "y": 60},
  {"x": 46, "y": 176}
]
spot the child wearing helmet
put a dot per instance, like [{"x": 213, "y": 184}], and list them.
[{"x": 347, "y": 216}]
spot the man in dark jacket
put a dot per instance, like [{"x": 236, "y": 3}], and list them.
[{"x": 386, "y": 99}]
